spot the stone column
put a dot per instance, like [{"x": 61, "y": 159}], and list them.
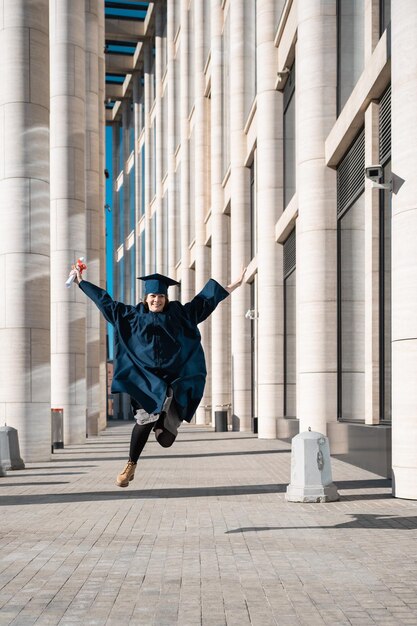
[
  {"x": 160, "y": 248},
  {"x": 68, "y": 216},
  {"x": 404, "y": 250},
  {"x": 239, "y": 223},
  {"x": 220, "y": 320},
  {"x": 92, "y": 188},
  {"x": 138, "y": 179},
  {"x": 187, "y": 291},
  {"x": 101, "y": 203},
  {"x": 172, "y": 105},
  {"x": 200, "y": 200},
  {"x": 148, "y": 155},
  {"x": 316, "y": 56},
  {"x": 24, "y": 232},
  {"x": 125, "y": 108},
  {"x": 269, "y": 202}
]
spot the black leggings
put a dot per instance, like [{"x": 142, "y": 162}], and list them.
[{"x": 140, "y": 435}]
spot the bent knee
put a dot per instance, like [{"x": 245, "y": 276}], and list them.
[{"x": 165, "y": 438}]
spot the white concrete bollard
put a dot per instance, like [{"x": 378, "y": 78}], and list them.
[
  {"x": 311, "y": 472},
  {"x": 10, "y": 458}
]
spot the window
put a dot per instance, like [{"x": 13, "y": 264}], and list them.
[
  {"x": 384, "y": 15},
  {"x": 289, "y": 138},
  {"x": 290, "y": 362},
  {"x": 351, "y": 283},
  {"x": 253, "y": 216},
  {"x": 385, "y": 257},
  {"x": 350, "y": 37}
]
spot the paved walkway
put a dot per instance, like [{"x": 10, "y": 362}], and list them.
[{"x": 203, "y": 535}]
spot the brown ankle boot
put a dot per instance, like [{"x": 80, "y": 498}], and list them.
[{"x": 123, "y": 479}]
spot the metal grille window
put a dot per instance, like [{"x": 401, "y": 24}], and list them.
[
  {"x": 385, "y": 127},
  {"x": 351, "y": 175},
  {"x": 289, "y": 254}
]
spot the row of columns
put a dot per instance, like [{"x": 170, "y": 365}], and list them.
[{"x": 52, "y": 157}]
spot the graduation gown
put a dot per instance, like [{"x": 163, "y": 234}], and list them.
[{"x": 154, "y": 351}]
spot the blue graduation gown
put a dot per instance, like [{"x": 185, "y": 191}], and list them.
[{"x": 157, "y": 350}]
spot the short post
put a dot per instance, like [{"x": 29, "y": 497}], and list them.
[
  {"x": 10, "y": 458},
  {"x": 311, "y": 472},
  {"x": 220, "y": 421},
  {"x": 57, "y": 429}
]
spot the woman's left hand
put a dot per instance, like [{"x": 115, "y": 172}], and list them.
[{"x": 236, "y": 283}]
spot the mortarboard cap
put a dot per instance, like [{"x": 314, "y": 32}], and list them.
[{"x": 157, "y": 283}]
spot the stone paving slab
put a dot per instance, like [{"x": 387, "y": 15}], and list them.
[{"x": 202, "y": 536}]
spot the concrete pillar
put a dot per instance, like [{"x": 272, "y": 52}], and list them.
[
  {"x": 138, "y": 179},
  {"x": 239, "y": 223},
  {"x": 220, "y": 320},
  {"x": 200, "y": 202},
  {"x": 269, "y": 202},
  {"x": 404, "y": 251},
  {"x": 115, "y": 209},
  {"x": 93, "y": 209},
  {"x": 126, "y": 203},
  {"x": 68, "y": 216},
  {"x": 173, "y": 204},
  {"x": 316, "y": 57},
  {"x": 160, "y": 248},
  {"x": 148, "y": 139},
  {"x": 187, "y": 289},
  {"x": 101, "y": 203},
  {"x": 24, "y": 232}
]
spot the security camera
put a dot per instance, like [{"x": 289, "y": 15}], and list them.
[{"x": 375, "y": 173}]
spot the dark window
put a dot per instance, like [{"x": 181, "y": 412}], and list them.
[
  {"x": 351, "y": 283},
  {"x": 290, "y": 364},
  {"x": 384, "y": 15},
  {"x": 289, "y": 138},
  {"x": 385, "y": 258},
  {"x": 350, "y": 47},
  {"x": 253, "y": 228}
]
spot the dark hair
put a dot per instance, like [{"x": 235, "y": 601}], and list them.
[{"x": 145, "y": 304}]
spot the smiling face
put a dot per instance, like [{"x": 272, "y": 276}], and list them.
[{"x": 156, "y": 302}]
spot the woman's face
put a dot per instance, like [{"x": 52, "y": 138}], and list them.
[{"x": 155, "y": 302}]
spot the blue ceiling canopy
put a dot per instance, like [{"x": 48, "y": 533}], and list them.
[
  {"x": 121, "y": 42},
  {"x": 126, "y": 10},
  {"x": 120, "y": 47}
]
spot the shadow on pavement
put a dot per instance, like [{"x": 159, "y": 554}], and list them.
[
  {"x": 141, "y": 494},
  {"x": 360, "y": 520},
  {"x": 167, "y": 456}
]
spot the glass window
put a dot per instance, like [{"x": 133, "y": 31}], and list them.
[
  {"x": 142, "y": 182},
  {"x": 350, "y": 23},
  {"x": 132, "y": 214},
  {"x": 289, "y": 138},
  {"x": 386, "y": 298},
  {"x": 253, "y": 225},
  {"x": 351, "y": 236},
  {"x": 384, "y": 15},
  {"x": 290, "y": 361},
  {"x": 254, "y": 351}
]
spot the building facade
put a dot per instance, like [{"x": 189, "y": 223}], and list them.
[{"x": 272, "y": 134}]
